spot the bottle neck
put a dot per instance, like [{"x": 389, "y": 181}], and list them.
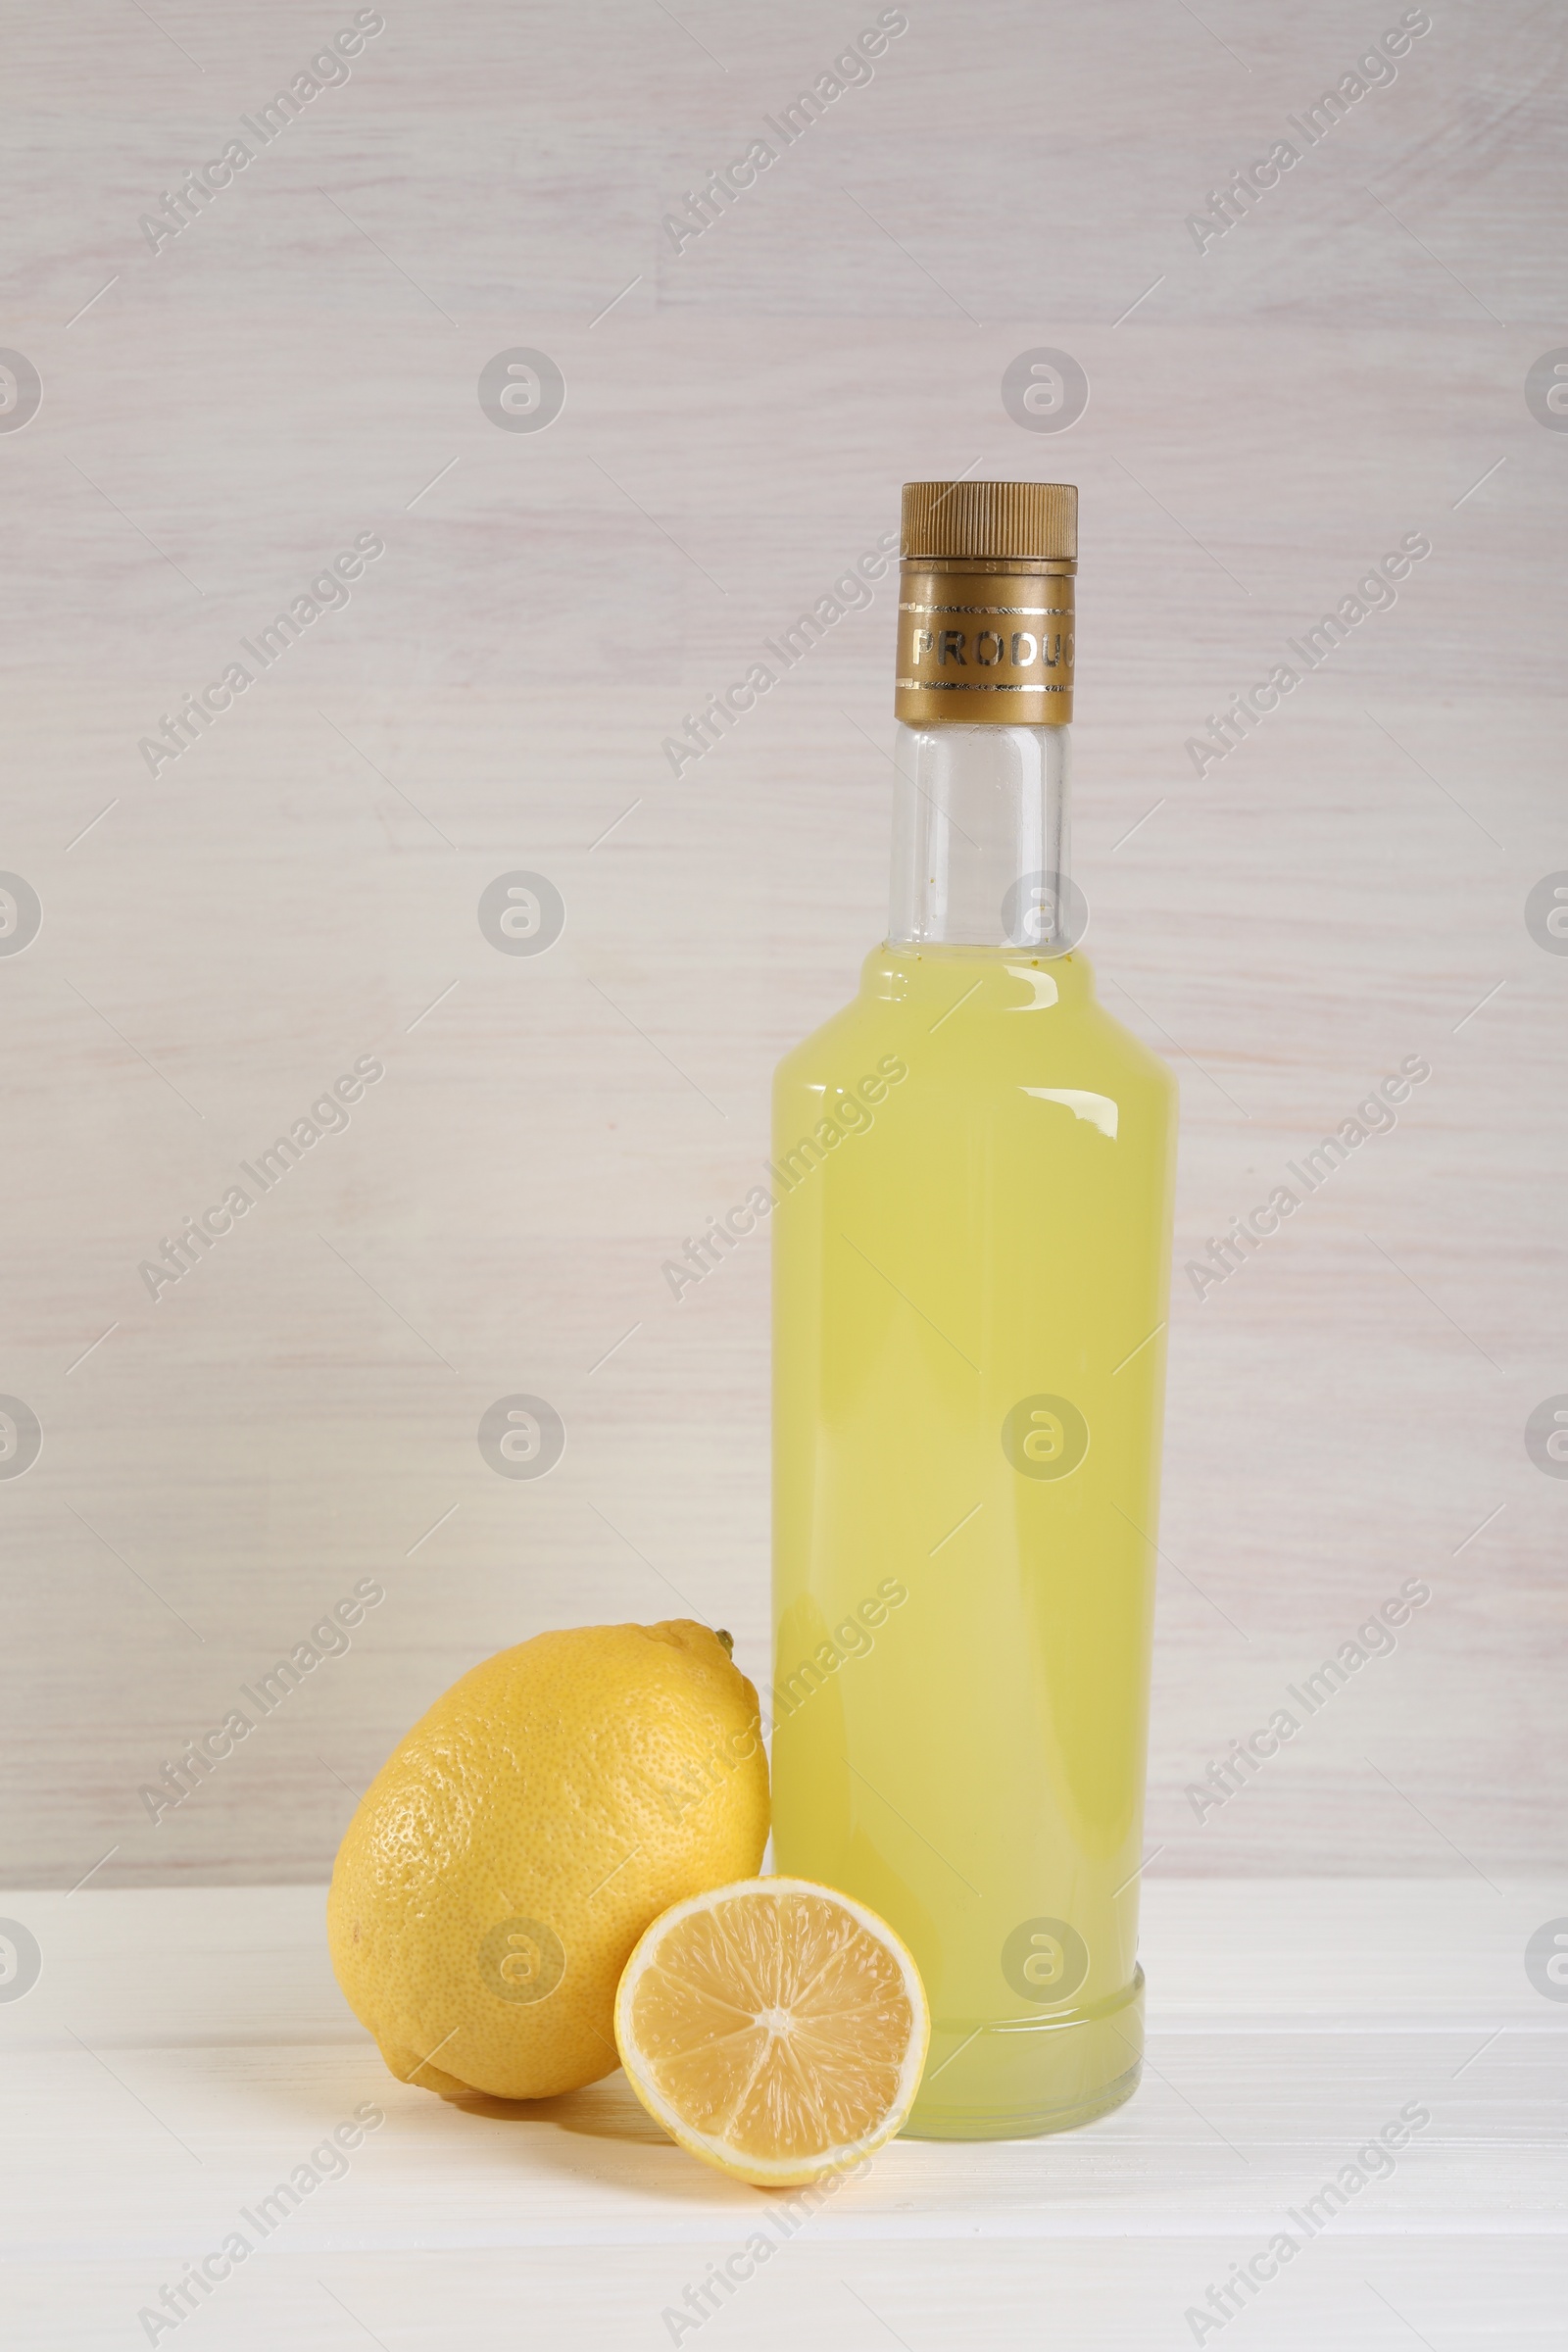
[{"x": 981, "y": 846}]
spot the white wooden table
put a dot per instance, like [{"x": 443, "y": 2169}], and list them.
[{"x": 183, "y": 2051}]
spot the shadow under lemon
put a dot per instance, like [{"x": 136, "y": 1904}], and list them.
[{"x": 609, "y": 2109}]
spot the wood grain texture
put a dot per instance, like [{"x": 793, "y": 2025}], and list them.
[
  {"x": 193, "y": 2041},
  {"x": 300, "y": 888}
]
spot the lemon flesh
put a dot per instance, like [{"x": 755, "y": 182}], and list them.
[{"x": 775, "y": 2028}]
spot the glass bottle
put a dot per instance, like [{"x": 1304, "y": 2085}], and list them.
[{"x": 975, "y": 1168}]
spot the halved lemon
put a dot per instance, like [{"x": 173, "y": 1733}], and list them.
[{"x": 775, "y": 2027}]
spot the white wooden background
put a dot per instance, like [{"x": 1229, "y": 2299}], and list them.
[{"x": 300, "y": 888}]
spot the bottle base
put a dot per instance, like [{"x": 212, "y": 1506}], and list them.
[
  {"x": 1022, "y": 2124},
  {"x": 1020, "y": 2079}
]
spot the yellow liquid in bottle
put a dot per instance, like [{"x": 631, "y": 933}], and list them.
[{"x": 970, "y": 1296}]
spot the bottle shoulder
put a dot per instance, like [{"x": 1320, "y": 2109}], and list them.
[
  {"x": 824, "y": 1046},
  {"x": 973, "y": 1018}
]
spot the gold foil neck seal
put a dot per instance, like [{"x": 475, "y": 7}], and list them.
[
  {"x": 1037, "y": 521},
  {"x": 986, "y": 604},
  {"x": 992, "y": 648}
]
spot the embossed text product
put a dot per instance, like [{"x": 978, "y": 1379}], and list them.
[{"x": 972, "y": 1253}]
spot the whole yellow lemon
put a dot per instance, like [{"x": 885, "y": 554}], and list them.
[{"x": 515, "y": 1847}]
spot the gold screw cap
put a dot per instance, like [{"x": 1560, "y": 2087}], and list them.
[
  {"x": 986, "y": 604},
  {"x": 990, "y": 521}
]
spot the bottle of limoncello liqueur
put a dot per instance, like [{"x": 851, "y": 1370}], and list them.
[{"x": 971, "y": 1269}]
